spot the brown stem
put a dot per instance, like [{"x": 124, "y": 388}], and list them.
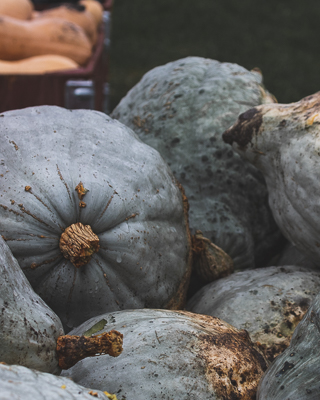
[
  {"x": 72, "y": 349},
  {"x": 210, "y": 261},
  {"x": 78, "y": 243}
]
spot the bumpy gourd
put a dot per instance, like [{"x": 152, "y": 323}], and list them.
[
  {"x": 76, "y": 14},
  {"x": 28, "y": 328},
  {"x": 21, "y": 383},
  {"x": 22, "y": 39},
  {"x": 95, "y": 8},
  {"x": 173, "y": 354},
  {"x": 37, "y": 65},
  {"x": 182, "y": 109},
  {"x": 283, "y": 142},
  {"x": 93, "y": 215},
  {"x": 20, "y": 9},
  {"x": 267, "y": 302},
  {"x": 294, "y": 373}
]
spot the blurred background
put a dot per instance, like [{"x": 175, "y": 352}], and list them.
[
  {"x": 134, "y": 36},
  {"x": 279, "y": 37}
]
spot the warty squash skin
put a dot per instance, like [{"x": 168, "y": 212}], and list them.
[
  {"x": 20, "y": 9},
  {"x": 23, "y": 39},
  {"x": 61, "y": 167},
  {"x": 37, "y": 65},
  {"x": 21, "y": 383},
  {"x": 282, "y": 140},
  {"x": 181, "y": 109},
  {"x": 294, "y": 374},
  {"x": 267, "y": 302},
  {"x": 173, "y": 355},
  {"x": 28, "y": 327},
  {"x": 76, "y": 14}
]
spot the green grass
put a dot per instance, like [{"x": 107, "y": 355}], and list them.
[{"x": 279, "y": 37}]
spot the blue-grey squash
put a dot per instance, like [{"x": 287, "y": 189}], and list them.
[
  {"x": 267, "y": 302},
  {"x": 282, "y": 140},
  {"x": 21, "y": 383},
  {"x": 29, "y": 329},
  {"x": 31, "y": 334},
  {"x": 182, "y": 109},
  {"x": 172, "y": 354},
  {"x": 94, "y": 216},
  {"x": 294, "y": 374}
]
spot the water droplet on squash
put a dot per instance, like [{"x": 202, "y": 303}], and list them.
[{"x": 119, "y": 259}]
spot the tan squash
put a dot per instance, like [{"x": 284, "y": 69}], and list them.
[
  {"x": 95, "y": 8},
  {"x": 20, "y": 9},
  {"x": 76, "y": 14},
  {"x": 23, "y": 39},
  {"x": 37, "y": 65}
]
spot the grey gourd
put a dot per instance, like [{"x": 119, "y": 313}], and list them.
[
  {"x": 94, "y": 216},
  {"x": 28, "y": 327},
  {"x": 21, "y": 383},
  {"x": 294, "y": 374},
  {"x": 172, "y": 354},
  {"x": 282, "y": 140},
  {"x": 267, "y": 302},
  {"x": 182, "y": 109}
]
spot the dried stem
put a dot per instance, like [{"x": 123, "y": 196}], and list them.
[
  {"x": 72, "y": 349},
  {"x": 78, "y": 243}
]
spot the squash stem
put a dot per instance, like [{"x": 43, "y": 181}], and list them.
[{"x": 72, "y": 349}]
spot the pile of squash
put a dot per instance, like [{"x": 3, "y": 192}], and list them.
[
  {"x": 110, "y": 235},
  {"x": 59, "y": 38}
]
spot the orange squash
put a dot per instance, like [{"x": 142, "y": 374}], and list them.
[
  {"x": 76, "y": 14},
  {"x": 21, "y": 9},
  {"x": 23, "y": 39},
  {"x": 37, "y": 65},
  {"x": 95, "y": 8}
]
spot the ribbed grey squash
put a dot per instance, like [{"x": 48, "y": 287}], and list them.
[
  {"x": 267, "y": 302},
  {"x": 28, "y": 327},
  {"x": 172, "y": 354},
  {"x": 21, "y": 383},
  {"x": 294, "y": 374},
  {"x": 282, "y": 140},
  {"x": 94, "y": 216},
  {"x": 182, "y": 109}
]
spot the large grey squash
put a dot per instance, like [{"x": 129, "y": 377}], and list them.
[
  {"x": 28, "y": 327},
  {"x": 94, "y": 216},
  {"x": 21, "y": 383},
  {"x": 294, "y": 374},
  {"x": 172, "y": 354},
  {"x": 267, "y": 302},
  {"x": 282, "y": 140},
  {"x": 182, "y": 109}
]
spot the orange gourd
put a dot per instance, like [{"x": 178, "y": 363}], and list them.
[
  {"x": 23, "y": 39},
  {"x": 76, "y": 14},
  {"x": 95, "y": 8},
  {"x": 37, "y": 65},
  {"x": 21, "y": 9}
]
